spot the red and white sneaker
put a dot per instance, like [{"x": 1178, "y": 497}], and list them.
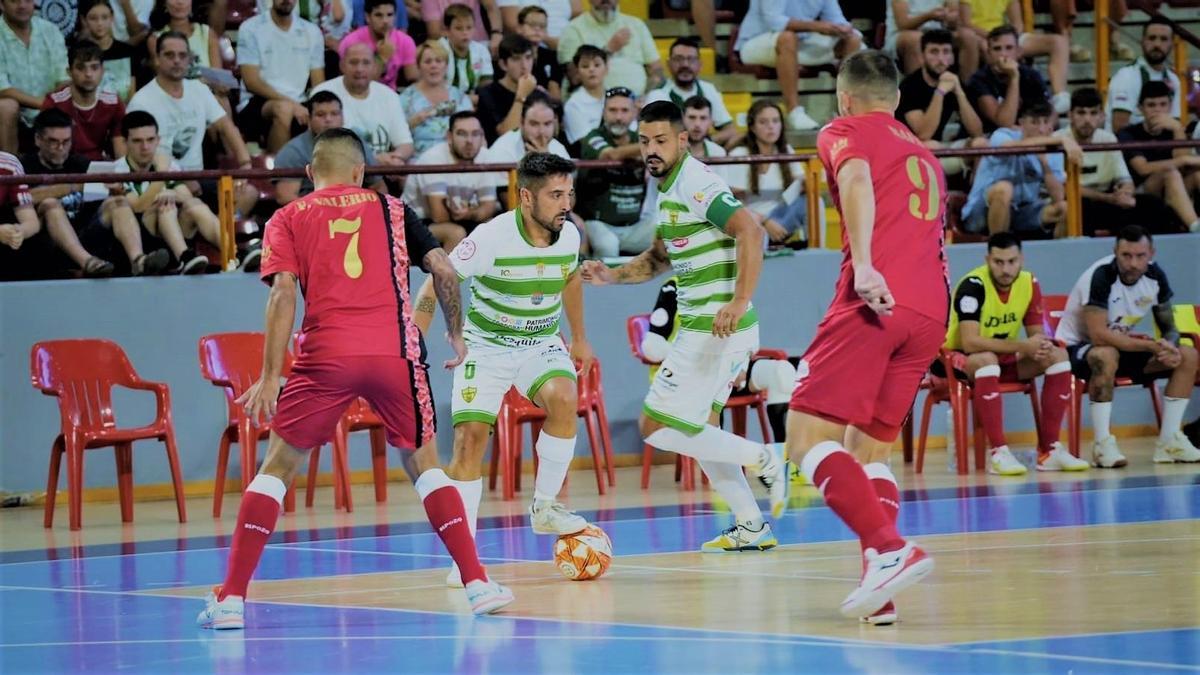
[
  {"x": 886, "y": 575},
  {"x": 487, "y": 597},
  {"x": 227, "y": 614},
  {"x": 886, "y": 616}
]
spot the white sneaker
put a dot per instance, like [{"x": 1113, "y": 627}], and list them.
[
  {"x": 454, "y": 577},
  {"x": 1061, "y": 102},
  {"x": 739, "y": 537},
  {"x": 1059, "y": 459},
  {"x": 800, "y": 121},
  {"x": 1002, "y": 463},
  {"x": 772, "y": 473},
  {"x": 228, "y": 614},
  {"x": 1178, "y": 449},
  {"x": 551, "y": 517},
  {"x": 1106, "y": 454},
  {"x": 487, "y": 597},
  {"x": 886, "y": 575}
]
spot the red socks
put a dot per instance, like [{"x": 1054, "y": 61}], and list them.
[
  {"x": 885, "y": 487},
  {"x": 1056, "y": 398},
  {"x": 444, "y": 506},
  {"x": 255, "y": 522},
  {"x": 849, "y": 492},
  {"x": 989, "y": 405}
]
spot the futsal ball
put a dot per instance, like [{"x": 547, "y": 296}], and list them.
[{"x": 583, "y": 555}]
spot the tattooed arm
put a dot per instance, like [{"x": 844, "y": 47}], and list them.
[
  {"x": 647, "y": 265},
  {"x": 444, "y": 280},
  {"x": 425, "y": 306}
]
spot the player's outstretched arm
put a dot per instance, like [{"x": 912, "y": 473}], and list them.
[
  {"x": 260, "y": 398},
  {"x": 743, "y": 228},
  {"x": 425, "y": 306},
  {"x": 647, "y": 265},
  {"x": 858, "y": 209},
  {"x": 572, "y": 298},
  {"x": 445, "y": 285}
]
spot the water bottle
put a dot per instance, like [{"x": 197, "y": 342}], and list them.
[{"x": 951, "y": 452}]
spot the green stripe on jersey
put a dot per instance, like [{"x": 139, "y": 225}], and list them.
[
  {"x": 673, "y": 231},
  {"x": 704, "y": 323},
  {"x": 535, "y": 259},
  {"x": 719, "y": 244},
  {"x": 548, "y": 286}
]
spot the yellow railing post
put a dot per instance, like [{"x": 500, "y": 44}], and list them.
[
  {"x": 225, "y": 213},
  {"x": 812, "y": 190},
  {"x": 1181, "y": 69},
  {"x": 1103, "y": 40},
  {"x": 1027, "y": 15},
  {"x": 513, "y": 198},
  {"x": 1074, "y": 200}
]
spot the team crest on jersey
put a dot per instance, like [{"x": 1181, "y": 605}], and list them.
[
  {"x": 466, "y": 249},
  {"x": 537, "y": 298},
  {"x": 699, "y": 197},
  {"x": 266, "y": 253},
  {"x": 541, "y": 268},
  {"x": 674, "y": 217},
  {"x": 468, "y": 394},
  {"x": 565, "y": 269}
]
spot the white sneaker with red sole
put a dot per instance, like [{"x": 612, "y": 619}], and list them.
[
  {"x": 886, "y": 575},
  {"x": 886, "y": 616}
]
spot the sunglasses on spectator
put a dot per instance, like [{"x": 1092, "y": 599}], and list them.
[{"x": 619, "y": 91}]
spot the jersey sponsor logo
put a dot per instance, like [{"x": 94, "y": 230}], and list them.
[
  {"x": 666, "y": 373},
  {"x": 699, "y": 197},
  {"x": 537, "y": 298},
  {"x": 266, "y": 252},
  {"x": 838, "y": 146},
  {"x": 466, "y": 249},
  {"x": 679, "y": 242},
  {"x": 997, "y": 321},
  {"x": 565, "y": 269},
  {"x": 468, "y": 394}
]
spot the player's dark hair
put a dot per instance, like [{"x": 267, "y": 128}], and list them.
[
  {"x": 1038, "y": 107},
  {"x": 869, "y": 75},
  {"x": 322, "y": 97},
  {"x": 535, "y": 167},
  {"x": 370, "y": 5},
  {"x": 514, "y": 45},
  {"x": 463, "y": 115},
  {"x": 457, "y": 11},
  {"x": 689, "y": 41},
  {"x": 539, "y": 98},
  {"x": 85, "y": 51},
  {"x": 1087, "y": 97},
  {"x": 527, "y": 10},
  {"x": 1003, "y": 240},
  {"x": 171, "y": 35},
  {"x": 1154, "y": 89},
  {"x": 1157, "y": 20},
  {"x": 661, "y": 111},
  {"x": 334, "y": 142},
  {"x": 697, "y": 102},
  {"x": 51, "y": 118},
  {"x": 589, "y": 52},
  {"x": 936, "y": 36},
  {"x": 136, "y": 120},
  {"x": 1133, "y": 234},
  {"x": 1002, "y": 30}
]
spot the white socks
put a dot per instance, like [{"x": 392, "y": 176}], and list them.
[
  {"x": 729, "y": 482},
  {"x": 554, "y": 459},
  {"x": 1172, "y": 420},
  {"x": 711, "y": 445},
  {"x": 274, "y": 488},
  {"x": 471, "y": 492},
  {"x": 1101, "y": 414}
]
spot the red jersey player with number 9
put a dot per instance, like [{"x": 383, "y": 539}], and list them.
[
  {"x": 348, "y": 249},
  {"x": 887, "y": 320}
]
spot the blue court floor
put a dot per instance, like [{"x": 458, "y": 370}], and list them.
[{"x": 131, "y": 607}]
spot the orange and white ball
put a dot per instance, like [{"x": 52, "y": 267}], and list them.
[{"x": 583, "y": 555}]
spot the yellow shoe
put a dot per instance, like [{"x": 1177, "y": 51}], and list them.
[{"x": 739, "y": 537}]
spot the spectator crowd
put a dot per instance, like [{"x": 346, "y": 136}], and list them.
[{"x": 125, "y": 86}]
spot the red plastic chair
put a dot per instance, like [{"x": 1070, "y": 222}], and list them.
[
  {"x": 1055, "y": 306},
  {"x": 81, "y": 375},
  {"x": 360, "y": 417},
  {"x": 516, "y": 410},
  {"x": 636, "y": 328},
  {"x": 233, "y": 361}
]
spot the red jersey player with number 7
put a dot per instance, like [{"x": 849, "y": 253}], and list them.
[
  {"x": 887, "y": 320},
  {"x": 349, "y": 250}
]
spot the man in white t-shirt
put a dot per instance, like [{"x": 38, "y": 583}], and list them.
[
  {"x": 697, "y": 119},
  {"x": 456, "y": 203},
  {"x": 370, "y": 109},
  {"x": 683, "y": 61},
  {"x": 1126, "y": 84},
  {"x": 539, "y": 126},
  {"x": 278, "y": 54},
  {"x": 633, "y": 58}
]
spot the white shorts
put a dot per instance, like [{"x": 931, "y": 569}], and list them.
[
  {"x": 481, "y": 381},
  {"x": 812, "y": 49},
  {"x": 696, "y": 377}
]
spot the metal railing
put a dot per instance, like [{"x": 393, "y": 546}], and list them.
[{"x": 811, "y": 164}]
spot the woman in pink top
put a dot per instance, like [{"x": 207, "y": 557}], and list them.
[{"x": 394, "y": 50}]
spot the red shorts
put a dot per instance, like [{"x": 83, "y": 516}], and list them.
[
  {"x": 864, "y": 370},
  {"x": 958, "y": 360},
  {"x": 317, "y": 393}
]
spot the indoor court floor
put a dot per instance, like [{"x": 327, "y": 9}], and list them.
[{"x": 1089, "y": 573}]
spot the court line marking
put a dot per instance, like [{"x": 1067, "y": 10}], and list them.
[{"x": 746, "y": 636}]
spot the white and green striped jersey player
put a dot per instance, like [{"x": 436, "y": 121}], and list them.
[{"x": 512, "y": 321}]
